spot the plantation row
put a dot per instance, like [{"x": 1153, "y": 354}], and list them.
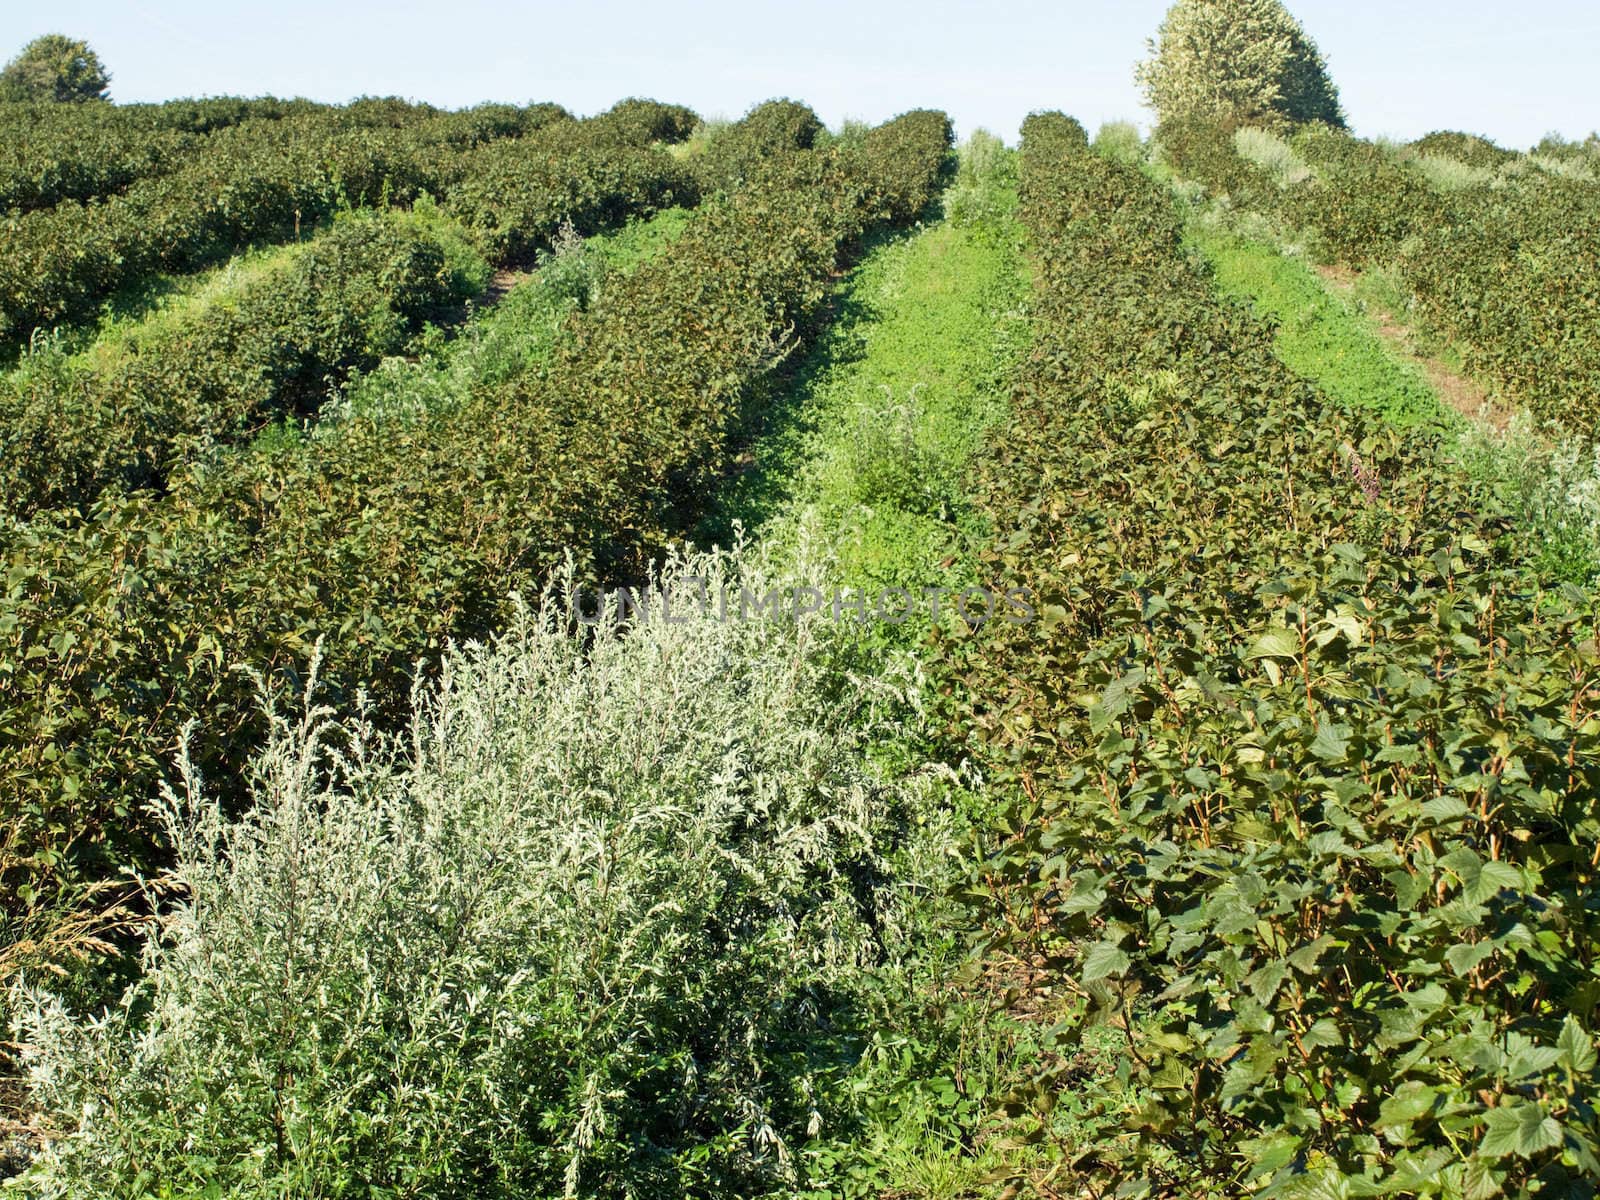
[
  {"x": 128, "y": 412},
  {"x": 53, "y": 152},
  {"x": 1308, "y": 772},
  {"x": 1507, "y": 266},
  {"x": 265, "y": 181},
  {"x": 398, "y": 524},
  {"x": 71, "y": 427}
]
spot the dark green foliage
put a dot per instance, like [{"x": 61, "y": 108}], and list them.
[
  {"x": 63, "y": 153},
  {"x": 775, "y": 127},
  {"x": 908, "y": 159},
  {"x": 56, "y": 70},
  {"x": 1362, "y": 203},
  {"x": 1306, "y": 772},
  {"x": 1469, "y": 148},
  {"x": 1054, "y": 129},
  {"x": 514, "y": 195},
  {"x": 1510, "y": 273},
  {"x": 1307, "y": 93},
  {"x": 1203, "y": 150},
  {"x": 53, "y": 152},
  {"x": 69, "y": 428},
  {"x": 254, "y": 181},
  {"x": 392, "y": 527},
  {"x": 639, "y": 122}
]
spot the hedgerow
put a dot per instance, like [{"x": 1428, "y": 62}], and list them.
[
  {"x": 1508, "y": 269},
  {"x": 1306, "y": 771},
  {"x": 735, "y": 151},
  {"x": 514, "y": 195},
  {"x": 255, "y": 181},
  {"x": 127, "y": 412},
  {"x": 1469, "y": 148}
]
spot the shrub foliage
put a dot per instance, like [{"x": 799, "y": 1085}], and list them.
[
  {"x": 394, "y": 527},
  {"x": 579, "y": 933},
  {"x": 1307, "y": 774},
  {"x": 1508, "y": 268}
]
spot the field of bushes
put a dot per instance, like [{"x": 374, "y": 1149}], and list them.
[{"x": 637, "y": 655}]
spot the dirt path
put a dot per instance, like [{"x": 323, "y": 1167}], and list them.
[
  {"x": 1461, "y": 393},
  {"x": 501, "y": 282}
]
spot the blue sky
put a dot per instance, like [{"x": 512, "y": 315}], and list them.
[{"x": 1512, "y": 71}]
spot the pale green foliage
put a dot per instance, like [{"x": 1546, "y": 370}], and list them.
[
  {"x": 54, "y": 69},
  {"x": 1120, "y": 141},
  {"x": 1272, "y": 154},
  {"x": 568, "y": 268},
  {"x": 851, "y": 132},
  {"x": 1584, "y": 167},
  {"x": 572, "y": 936},
  {"x": 985, "y": 168},
  {"x": 1551, "y": 484},
  {"x": 1449, "y": 174},
  {"x": 1244, "y": 61}
]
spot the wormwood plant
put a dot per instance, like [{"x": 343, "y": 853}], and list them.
[
  {"x": 891, "y": 463},
  {"x": 594, "y": 926},
  {"x": 977, "y": 193}
]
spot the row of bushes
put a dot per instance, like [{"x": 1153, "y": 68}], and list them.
[
  {"x": 1508, "y": 267},
  {"x": 57, "y": 160},
  {"x": 55, "y": 152},
  {"x": 125, "y": 412},
  {"x": 513, "y": 195},
  {"x": 1306, "y": 771},
  {"x": 51, "y": 152},
  {"x": 257, "y": 181},
  {"x": 393, "y": 528}
]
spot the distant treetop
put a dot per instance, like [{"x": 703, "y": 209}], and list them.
[
  {"x": 1241, "y": 62},
  {"x": 55, "y": 68}
]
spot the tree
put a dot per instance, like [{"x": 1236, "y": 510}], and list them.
[
  {"x": 55, "y": 68},
  {"x": 1238, "y": 61}
]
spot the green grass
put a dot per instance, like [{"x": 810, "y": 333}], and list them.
[
  {"x": 857, "y": 455},
  {"x": 869, "y": 448},
  {"x": 1319, "y": 335}
]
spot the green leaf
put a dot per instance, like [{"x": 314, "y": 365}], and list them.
[
  {"x": 1493, "y": 878},
  {"x": 1104, "y": 959},
  {"x": 1275, "y": 643},
  {"x": 1576, "y": 1047},
  {"x": 1520, "y": 1128},
  {"x": 1410, "y": 1102},
  {"x": 1270, "y": 1152},
  {"x": 1464, "y": 958},
  {"x": 1265, "y": 980},
  {"x": 1480, "y": 1181},
  {"x": 1332, "y": 743}
]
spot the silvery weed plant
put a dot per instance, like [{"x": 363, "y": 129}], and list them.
[{"x": 581, "y": 931}]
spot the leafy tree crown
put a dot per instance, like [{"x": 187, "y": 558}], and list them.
[
  {"x": 55, "y": 68},
  {"x": 1240, "y": 61}
]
